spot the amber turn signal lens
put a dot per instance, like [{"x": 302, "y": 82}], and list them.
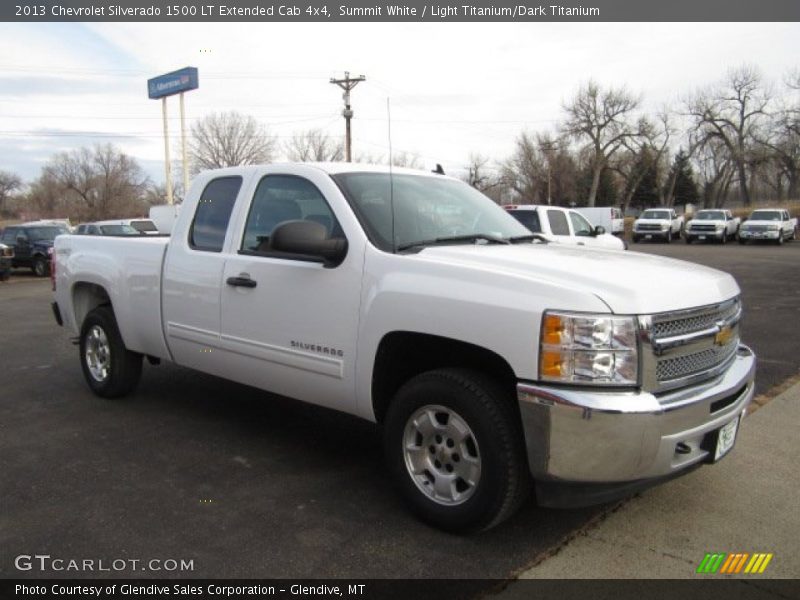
[
  {"x": 551, "y": 363},
  {"x": 553, "y": 328}
]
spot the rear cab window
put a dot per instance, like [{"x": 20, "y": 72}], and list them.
[{"x": 213, "y": 213}]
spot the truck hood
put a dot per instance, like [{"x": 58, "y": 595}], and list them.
[
  {"x": 714, "y": 222},
  {"x": 628, "y": 282},
  {"x": 759, "y": 222}
]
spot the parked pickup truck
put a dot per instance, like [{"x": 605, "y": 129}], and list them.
[
  {"x": 564, "y": 226},
  {"x": 771, "y": 224},
  {"x": 712, "y": 224},
  {"x": 658, "y": 223},
  {"x": 492, "y": 359}
]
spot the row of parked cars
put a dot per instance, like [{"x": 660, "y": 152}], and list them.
[
  {"x": 764, "y": 224},
  {"x": 29, "y": 245}
]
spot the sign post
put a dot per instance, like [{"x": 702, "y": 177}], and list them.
[{"x": 169, "y": 84}]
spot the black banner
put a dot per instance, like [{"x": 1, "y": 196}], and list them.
[{"x": 404, "y": 11}]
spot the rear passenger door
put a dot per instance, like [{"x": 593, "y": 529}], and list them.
[
  {"x": 290, "y": 326},
  {"x": 192, "y": 280}
]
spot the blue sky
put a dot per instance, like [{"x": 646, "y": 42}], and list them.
[{"x": 455, "y": 88}]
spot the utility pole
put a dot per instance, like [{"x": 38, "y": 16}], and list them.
[{"x": 347, "y": 84}]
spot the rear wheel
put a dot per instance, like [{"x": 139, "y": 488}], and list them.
[
  {"x": 455, "y": 449},
  {"x": 110, "y": 369}
]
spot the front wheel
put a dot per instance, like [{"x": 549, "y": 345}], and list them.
[
  {"x": 780, "y": 239},
  {"x": 110, "y": 369},
  {"x": 456, "y": 451},
  {"x": 40, "y": 267}
]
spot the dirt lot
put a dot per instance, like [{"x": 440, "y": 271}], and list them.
[{"x": 250, "y": 485}]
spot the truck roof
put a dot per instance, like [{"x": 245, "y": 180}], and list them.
[{"x": 332, "y": 168}]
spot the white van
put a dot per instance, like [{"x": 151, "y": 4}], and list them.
[{"x": 610, "y": 217}]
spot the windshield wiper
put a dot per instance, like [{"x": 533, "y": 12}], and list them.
[
  {"x": 528, "y": 238},
  {"x": 454, "y": 239}
]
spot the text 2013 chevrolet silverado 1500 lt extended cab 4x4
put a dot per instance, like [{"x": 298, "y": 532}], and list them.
[{"x": 492, "y": 360}]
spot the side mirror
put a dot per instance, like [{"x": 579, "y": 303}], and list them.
[
  {"x": 599, "y": 230},
  {"x": 307, "y": 240}
]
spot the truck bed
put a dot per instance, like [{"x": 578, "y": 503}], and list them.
[{"x": 129, "y": 268}]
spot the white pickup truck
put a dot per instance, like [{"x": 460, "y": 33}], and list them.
[
  {"x": 658, "y": 223},
  {"x": 564, "y": 226},
  {"x": 492, "y": 359},
  {"x": 712, "y": 224},
  {"x": 768, "y": 224}
]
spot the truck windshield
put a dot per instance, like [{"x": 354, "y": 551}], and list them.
[
  {"x": 144, "y": 225},
  {"x": 424, "y": 209},
  {"x": 711, "y": 215},
  {"x": 38, "y": 234},
  {"x": 118, "y": 230},
  {"x": 765, "y": 215},
  {"x": 655, "y": 214}
]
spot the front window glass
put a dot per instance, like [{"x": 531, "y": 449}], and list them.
[
  {"x": 398, "y": 210},
  {"x": 282, "y": 198},
  {"x": 580, "y": 225}
]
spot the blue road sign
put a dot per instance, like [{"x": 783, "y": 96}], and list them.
[{"x": 173, "y": 83}]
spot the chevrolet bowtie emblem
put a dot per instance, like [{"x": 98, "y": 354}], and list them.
[{"x": 723, "y": 336}]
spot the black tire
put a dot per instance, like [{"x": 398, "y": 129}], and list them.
[
  {"x": 724, "y": 238},
  {"x": 124, "y": 368},
  {"x": 780, "y": 239},
  {"x": 687, "y": 239},
  {"x": 40, "y": 267},
  {"x": 5, "y": 275},
  {"x": 498, "y": 443},
  {"x": 668, "y": 237},
  {"x": 635, "y": 239},
  {"x": 741, "y": 240}
]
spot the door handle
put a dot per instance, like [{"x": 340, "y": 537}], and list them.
[{"x": 241, "y": 282}]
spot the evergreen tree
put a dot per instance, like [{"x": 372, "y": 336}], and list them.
[
  {"x": 685, "y": 186},
  {"x": 646, "y": 193}
]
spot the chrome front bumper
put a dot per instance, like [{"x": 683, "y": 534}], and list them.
[{"x": 629, "y": 437}]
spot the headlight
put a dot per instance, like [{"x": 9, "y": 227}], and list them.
[
  {"x": 588, "y": 349},
  {"x": 719, "y": 226},
  {"x": 50, "y": 250},
  {"x": 774, "y": 227},
  {"x": 664, "y": 226}
]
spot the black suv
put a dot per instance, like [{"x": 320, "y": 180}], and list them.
[{"x": 32, "y": 244}]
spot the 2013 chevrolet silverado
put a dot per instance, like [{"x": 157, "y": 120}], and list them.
[{"x": 493, "y": 360}]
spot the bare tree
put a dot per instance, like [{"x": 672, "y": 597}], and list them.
[
  {"x": 9, "y": 183},
  {"x": 313, "y": 145},
  {"x": 91, "y": 184},
  {"x": 641, "y": 154},
  {"x": 732, "y": 113},
  {"x": 602, "y": 118},
  {"x": 229, "y": 139}
]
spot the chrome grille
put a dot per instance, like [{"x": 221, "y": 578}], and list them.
[
  {"x": 755, "y": 228},
  {"x": 699, "y": 227},
  {"x": 648, "y": 227},
  {"x": 691, "y": 364},
  {"x": 670, "y": 325},
  {"x": 685, "y": 347}
]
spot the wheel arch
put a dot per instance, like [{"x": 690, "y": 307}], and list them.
[
  {"x": 85, "y": 298},
  {"x": 402, "y": 355}
]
